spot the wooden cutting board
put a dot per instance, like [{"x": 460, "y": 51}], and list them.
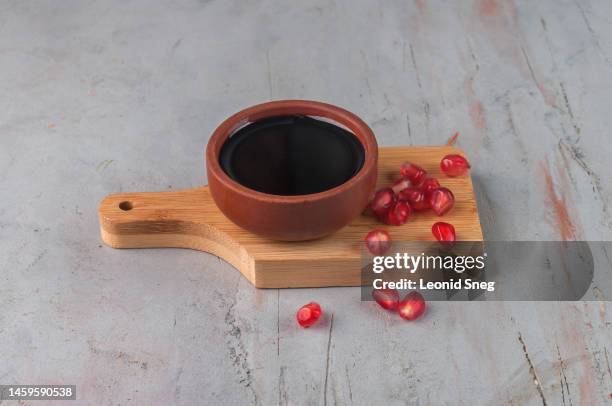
[{"x": 190, "y": 219}]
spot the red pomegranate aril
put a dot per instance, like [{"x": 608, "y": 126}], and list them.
[
  {"x": 413, "y": 173},
  {"x": 416, "y": 197},
  {"x": 378, "y": 242},
  {"x": 429, "y": 185},
  {"x": 308, "y": 314},
  {"x": 454, "y": 165},
  {"x": 399, "y": 213},
  {"x": 444, "y": 232},
  {"x": 383, "y": 200},
  {"x": 400, "y": 185},
  {"x": 441, "y": 200},
  {"x": 386, "y": 298},
  {"x": 412, "y": 306}
]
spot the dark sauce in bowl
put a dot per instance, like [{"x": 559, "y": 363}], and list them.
[{"x": 291, "y": 155}]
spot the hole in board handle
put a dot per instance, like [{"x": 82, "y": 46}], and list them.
[{"x": 126, "y": 205}]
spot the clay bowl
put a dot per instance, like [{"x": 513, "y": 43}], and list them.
[{"x": 295, "y": 217}]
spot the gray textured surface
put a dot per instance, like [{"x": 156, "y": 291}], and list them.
[{"x": 108, "y": 96}]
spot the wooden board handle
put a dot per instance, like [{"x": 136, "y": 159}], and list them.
[
  {"x": 145, "y": 213},
  {"x": 182, "y": 219}
]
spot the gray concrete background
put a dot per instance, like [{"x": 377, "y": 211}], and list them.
[{"x": 109, "y": 96}]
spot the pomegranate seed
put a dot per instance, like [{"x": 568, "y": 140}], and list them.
[
  {"x": 383, "y": 200},
  {"x": 454, "y": 165},
  {"x": 429, "y": 184},
  {"x": 444, "y": 232},
  {"x": 400, "y": 185},
  {"x": 386, "y": 298},
  {"x": 416, "y": 197},
  {"x": 308, "y": 314},
  {"x": 413, "y": 173},
  {"x": 378, "y": 242},
  {"x": 441, "y": 200},
  {"x": 412, "y": 307},
  {"x": 399, "y": 213}
]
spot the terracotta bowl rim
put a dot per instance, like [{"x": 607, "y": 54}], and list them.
[{"x": 341, "y": 116}]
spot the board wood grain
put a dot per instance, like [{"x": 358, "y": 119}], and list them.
[{"x": 190, "y": 219}]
